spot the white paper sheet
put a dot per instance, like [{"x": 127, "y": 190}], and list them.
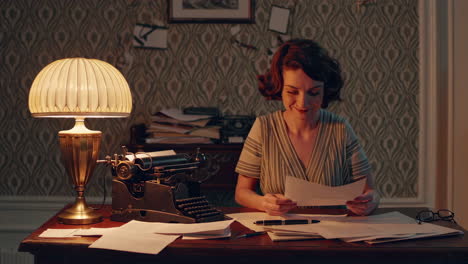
[
  {"x": 415, "y": 236},
  {"x": 279, "y": 18},
  {"x": 51, "y": 232},
  {"x": 227, "y": 233},
  {"x": 293, "y": 233},
  {"x": 385, "y": 218},
  {"x": 307, "y": 193},
  {"x": 213, "y": 228},
  {"x": 161, "y": 153},
  {"x": 179, "y": 115},
  {"x": 289, "y": 237},
  {"x": 74, "y": 232},
  {"x": 131, "y": 242},
  {"x": 358, "y": 239}
]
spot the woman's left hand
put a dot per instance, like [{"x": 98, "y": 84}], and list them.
[{"x": 364, "y": 204}]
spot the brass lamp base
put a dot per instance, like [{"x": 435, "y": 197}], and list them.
[
  {"x": 79, "y": 214},
  {"x": 80, "y": 148}
]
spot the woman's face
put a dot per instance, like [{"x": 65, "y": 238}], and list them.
[{"x": 302, "y": 96}]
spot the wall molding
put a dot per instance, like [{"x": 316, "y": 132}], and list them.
[
  {"x": 428, "y": 77},
  {"x": 450, "y": 106},
  {"x": 428, "y": 80},
  {"x": 26, "y": 213}
]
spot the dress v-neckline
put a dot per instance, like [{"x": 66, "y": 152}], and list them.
[{"x": 305, "y": 168}]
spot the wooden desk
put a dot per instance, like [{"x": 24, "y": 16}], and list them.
[{"x": 259, "y": 249}]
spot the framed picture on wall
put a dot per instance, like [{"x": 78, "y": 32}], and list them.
[{"x": 211, "y": 11}]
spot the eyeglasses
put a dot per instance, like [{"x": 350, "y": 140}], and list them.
[{"x": 429, "y": 216}]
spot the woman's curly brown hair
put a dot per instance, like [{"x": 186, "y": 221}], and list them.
[{"x": 312, "y": 59}]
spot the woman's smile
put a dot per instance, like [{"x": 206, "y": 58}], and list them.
[
  {"x": 301, "y": 110},
  {"x": 302, "y": 96}
]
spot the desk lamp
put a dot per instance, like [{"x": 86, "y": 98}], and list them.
[{"x": 80, "y": 88}]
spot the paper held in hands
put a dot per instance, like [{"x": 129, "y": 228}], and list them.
[{"x": 306, "y": 193}]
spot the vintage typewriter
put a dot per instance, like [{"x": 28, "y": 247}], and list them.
[{"x": 159, "y": 187}]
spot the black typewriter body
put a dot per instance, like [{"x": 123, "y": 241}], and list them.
[{"x": 154, "y": 188}]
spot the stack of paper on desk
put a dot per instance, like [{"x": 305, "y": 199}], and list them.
[
  {"x": 248, "y": 219},
  {"x": 151, "y": 238},
  {"x": 371, "y": 229},
  {"x": 381, "y": 228}
]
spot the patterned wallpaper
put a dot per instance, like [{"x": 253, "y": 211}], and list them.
[{"x": 377, "y": 46}]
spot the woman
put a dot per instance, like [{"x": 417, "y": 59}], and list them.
[{"x": 304, "y": 140}]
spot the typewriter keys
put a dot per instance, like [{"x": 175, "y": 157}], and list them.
[{"x": 200, "y": 209}]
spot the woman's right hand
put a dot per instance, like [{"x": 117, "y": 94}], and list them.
[{"x": 277, "y": 204}]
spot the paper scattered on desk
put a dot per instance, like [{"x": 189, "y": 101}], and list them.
[
  {"x": 376, "y": 240},
  {"x": 274, "y": 236},
  {"x": 248, "y": 219},
  {"x": 145, "y": 237},
  {"x": 227, "y": 233},
  {"x": 209, "y": 228},
  {"x": 56, "y": 233},
  {"x": 307, "y": 193},
  {"x": 382, "y": 228},
  {"x": 385, "y": 218},
  {"x": 334, "y": 230},
  {"x": 128, "y": 241},
  {"x": 356, "y": 226},
  {"x": 74, "y": 232}
]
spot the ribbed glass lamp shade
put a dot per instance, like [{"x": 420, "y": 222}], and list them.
[{"x": 77, "y": 87}]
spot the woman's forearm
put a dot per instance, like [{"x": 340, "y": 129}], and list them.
[{"x": 249, "y": 198}]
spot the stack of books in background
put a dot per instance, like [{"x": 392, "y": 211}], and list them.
[{"x": 174, "y": 126}]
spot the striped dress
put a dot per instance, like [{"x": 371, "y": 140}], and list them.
[{"x": 269, "y": 155}]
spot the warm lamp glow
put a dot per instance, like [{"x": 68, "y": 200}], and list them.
[{"x": 79, "y": 88}]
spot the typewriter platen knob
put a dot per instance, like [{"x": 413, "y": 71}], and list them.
[{"x": 123, "y": 171}]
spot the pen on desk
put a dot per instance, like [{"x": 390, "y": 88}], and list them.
[
  {"x": 286, "y": 222},
  {"x": 252, "y": 234}
]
